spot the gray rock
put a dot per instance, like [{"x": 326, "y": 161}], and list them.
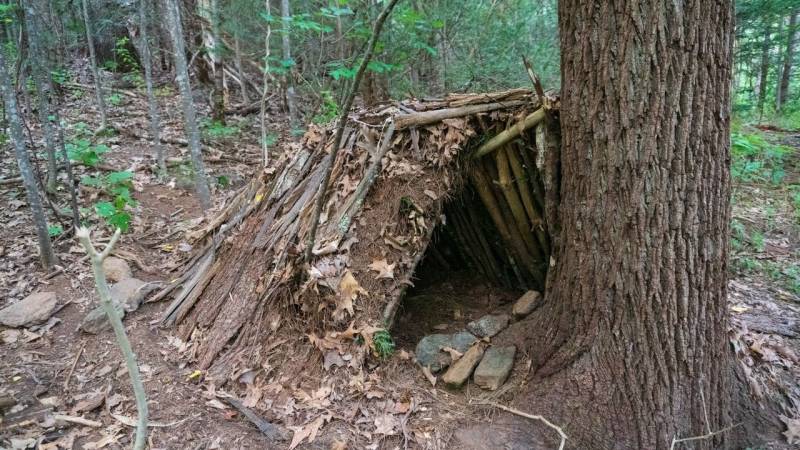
[
  {"x": 35, "y": 308},
  {"x": 96, "y": 321},
  {"x": 495, "y": 367},
  {"x": 116, "y": 269},
  {"x": 488, "y": 325},
  {"x": 460, "y": 371},
  {"x": 429, "y": 350},
  {"x": 130, "y": 293},
  {"x": 526, "y": 304}
]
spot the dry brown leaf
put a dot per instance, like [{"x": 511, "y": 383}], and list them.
[
  {"x": 427, "y": 372},
  {"x": 792, "y": 432},
  {"x": 348, "y": 292},
  {"x": 454, "y": 354},
  {"x": 384, "y": 269},
  {"x": 386, "y": 424},
  {"x": 430, "y": 194},
  {"x": 339, "y": 445},
  {"x": 308, "y": 432}
]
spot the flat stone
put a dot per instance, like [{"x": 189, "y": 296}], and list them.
[
  {"x": 495, "y": 367},
  {"x": 116, "y": 269},
  {"x": 97, "y": 321},
  {"x": 130, "y": 293},
  {"x": 35, "y": 308},
  {"x": 526, "y": 304},
  {"x": 460, "y": 371},
  {"x": 429, "y": 350},
  {"x": 488, "y": 325}
]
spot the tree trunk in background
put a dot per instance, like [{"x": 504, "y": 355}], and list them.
[
  {"x": 788, "y": 61},
  {"x": 189, "y": 115},
  {"x": 237, "y": 55},
  {"x": 630, "y": 346},
  {"x": 152, "y": 104},
  {"x": 286, "y": 16},
  {"x": 46, "y": 254},
  {"x": 41, "y": 77},
  {"x": 101, "y": 103},
  {"x": 218, "y": 95},
  {"x": 764, "y": 77}
]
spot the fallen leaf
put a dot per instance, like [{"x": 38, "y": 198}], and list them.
[
  {"x": 430, "y": 194},
  {"x": 384, "y": 269},
  {"x": 339, "y": 445},
  {"x": 455, "y": 355},
  {"x": 348, "y": 292},
  {"x": 427, "y": 372},
  {"x": 308, "y": 431},
  {"x": 739, "y": 308},
  {"x": 386, "y": 424},
  {"x": 332, "y": 359},
  {"x": 214, "y": 403}
]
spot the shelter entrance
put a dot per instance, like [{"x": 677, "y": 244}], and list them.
[{"x": 467, "y": 272}]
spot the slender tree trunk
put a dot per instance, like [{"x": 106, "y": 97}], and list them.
[
  {"x": 237, "y": 55},
  {"x": 98, "y": 85},
  {"x": 41, "y": 76},
  {"x": 189, "y": 115},
  {"x": 152, "y": 104},
  {"x": 263, "y": 103},
  {"x": 286, "y": 16},
  {"x": 48, "y": 258},
  {"x": 630, "y": 346},
  {"x": 764, "y": 76},
  {"x": 218, "y": 97},
  {"x": 788, "y": 61}
]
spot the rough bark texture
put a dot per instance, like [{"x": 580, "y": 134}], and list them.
[
  {"x": 152, "y": 103},
  {"x": 98, "y": 87},
  {"x": 189, "y": 114},
  {"x": 41, "y": 77},
  {"x": 632, "y": 335},
  {"x": 46, "y": 254},
  {"x": 788, "y": 61}
]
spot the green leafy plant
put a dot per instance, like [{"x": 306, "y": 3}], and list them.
[
  {"x": 114, "y": 99},
  {"x": 754, "y": 159},
  {"x": 118, "y": 186},
  {"x": 329, "y": 109},
  {"x": 54, "y": 230},
  {"x": 216, "y": 130},
  {"x": 384, "y": 344},
  {"x": 83, "y": 151}
]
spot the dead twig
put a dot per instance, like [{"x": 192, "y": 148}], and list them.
[
  {"x": 530, "y": 416},
  {"x": 72, "y": 367}
]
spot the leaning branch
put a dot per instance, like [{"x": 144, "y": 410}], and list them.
[
  {"x": 532, "y": 417},
  {"x": 337, "y": 141},
  {"x": 509, "y": 134}
]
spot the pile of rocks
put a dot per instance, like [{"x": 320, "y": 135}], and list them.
[{"x": 470, "y": 351}]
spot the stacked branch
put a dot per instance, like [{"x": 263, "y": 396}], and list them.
[{"x": 393, "y": 179}]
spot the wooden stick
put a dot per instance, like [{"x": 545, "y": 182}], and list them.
[
  {"x": 72, "y": 367},
  {"x": 532, "y": 417},
  {"x": 337, "y": 140},
  {"x": 510, "y": 133},
  {"x": 429, "y": 117},
  {"x": 535, "y": 216},
  {"x": 515, "y": 205},
  {"x": 78, "y": 420}
]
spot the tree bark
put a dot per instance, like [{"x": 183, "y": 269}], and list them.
[
  {"x": 41, "y": 78},
  {"x": 98, "y": 86},
  {"x": 286, "y": 16},
  {"x": 630, "y": 347},
  {"x": 152, "y": 103},
  {"x": 48, "y": 258},
  {"x": 764, "y": 69},
  {"x": 788, "y": 61},
  {"x": 218, "y": 96},
  {"x": 189, "y": 113}
]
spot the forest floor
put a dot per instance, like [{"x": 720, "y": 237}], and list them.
[{"x": 56, "y": 369}]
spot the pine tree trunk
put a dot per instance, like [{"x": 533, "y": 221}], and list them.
[
  {"x": 286, "y": 15},
  {"x": 630, "y": 347},
  {"x": 152, "y": 104},
  {"x": 189, "y": 114},
  {"x": 48, "y": 258},
  {"x": 788, "y": 61},
  {"x": 764, "y": 75},
  {"x": 41, "y": 78},
  {"x": 98, "y": 86},
  {"x": 218, "y": 96},
  {"x": 239, "y": 69}
]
